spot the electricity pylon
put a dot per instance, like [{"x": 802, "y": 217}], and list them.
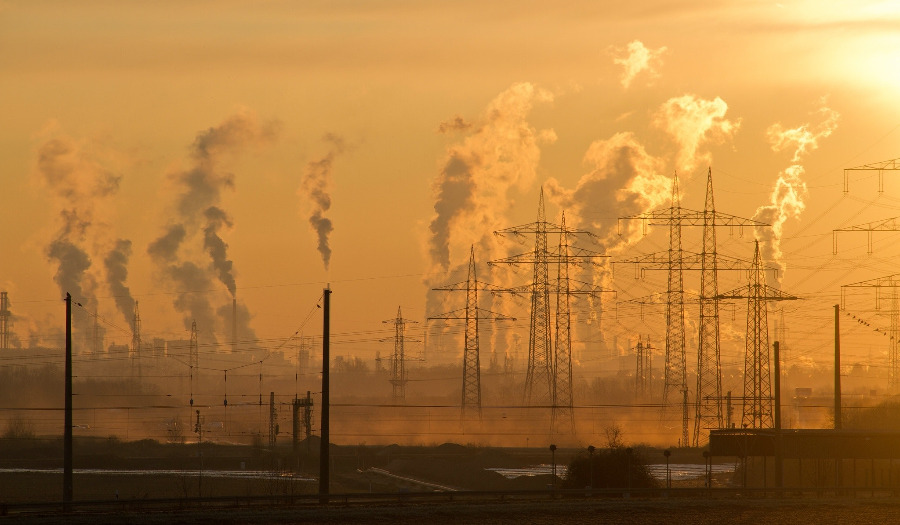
[
  {"x": 891, "y": 282},
  {"x": 708, "y": 394},
  {"x": 643, "y": 375},
  {"x": 471, "y": 387},
  {"x": 548, "y": 378},
  {"x": 398, "y": 359},
  {"x": 757, "y": 373}
]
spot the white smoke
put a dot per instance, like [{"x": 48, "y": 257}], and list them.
[
  {"x": 636, "y": 58},
  {"x": 472, "y": 190},
  {"x": 789, "y": 194},
  {"x": 693, "y": 122}
]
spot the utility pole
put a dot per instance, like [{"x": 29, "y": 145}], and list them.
[
  {"x": 324, "y": 457},
  {"x": 837, "y": 367},
  {"x": 4, "y": 321},
  {"x": 68, "y": 484},
  {"x": 136, "y": 343},
  {"x": 273, "y": 421}
]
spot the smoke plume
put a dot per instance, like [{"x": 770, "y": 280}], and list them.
[
  {"x": 693, "y": 122},
  {"x": 116, "y": 263},
  {"x": 624, "y": 179},
  {"x": 199, "y": 218},
  {"x": 472, "y": 190},
  {"x": 216, "y": 218},
  {"x": 789, "y": 194},
  {"x": 316, "y": 183},
  {"x": 80, "y": 187},
  {"x": 636, "y": 58}
]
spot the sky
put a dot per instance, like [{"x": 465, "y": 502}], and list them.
[{"x": 186, "y": 154}]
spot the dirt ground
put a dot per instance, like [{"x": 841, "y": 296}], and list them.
[{"x": 615, "y": 512}]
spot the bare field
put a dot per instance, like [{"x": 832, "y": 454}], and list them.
[{"x": 639, "y": 512}]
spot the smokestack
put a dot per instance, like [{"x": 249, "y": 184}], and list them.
[{"x": 233, "y": 324}]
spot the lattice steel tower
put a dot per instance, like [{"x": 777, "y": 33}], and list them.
[
  {"x": 471, "y": 386},
  {"x": 562, "y": 377},
  {"x": 548, "y": 378},
  {"x": 708, "y": 396},
  {"x": 398, "y": 358},
  {"x": 757, "y": 372},
  {"x": 708, "y": 413},
  {"x": 539, "y": 371},
  {"x": 643, "y": 374}
]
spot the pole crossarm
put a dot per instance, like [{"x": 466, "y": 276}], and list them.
[
  {"x": 543, "y": 227},
  {"x": 660, "y": 299},
  {"x": 464, "y": 286},
  {"x": 483, "y": 314},
  {"x": 888, "y": 281},
  {"x": 765, "y": 293},
  {"x": 575, "y": 257},
  {"x": 689, "y": 217},
  {"x": 891, "y": 224},
  {"x": 689, "y": 260},
  {"x": 880, "y": 167},
  {"x": 574, "y": 287}
]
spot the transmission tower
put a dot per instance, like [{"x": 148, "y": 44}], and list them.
[
  {"x": 136, "y": 342},
  {"x": 4, "y": 321},
  {"x": 471, "y": 387},
  {"x": 757, "y": 374},
  {"x": 708, "y": 411},
  {"x": 880, "y": 167},
  {"x": 891, "y": 282},
  {"x": 548, "y": 378},
  {"x": 398, "y": 359},
  {"x": 643, "y": 375}
]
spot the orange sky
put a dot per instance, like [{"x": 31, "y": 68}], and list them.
[{"x": 126, "y": 88}]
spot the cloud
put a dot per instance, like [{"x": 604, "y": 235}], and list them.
[
  {"x": 692, "y": 122},
  {"x": 636, "y": 58}
]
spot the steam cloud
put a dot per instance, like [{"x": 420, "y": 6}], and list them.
[
  {"x": 316, "y": 182},
  {"x": 636, "y": 58},
  {"x": 472, "y": 189},
  {"x": 790, "y": 192},
  {"x": 199, "y": 215},
  {"x": 692, "y": 122}
]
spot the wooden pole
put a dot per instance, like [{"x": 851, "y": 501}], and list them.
[
  {"x": 324, "y": 458},
  {"x": 68, "y": 485}
]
